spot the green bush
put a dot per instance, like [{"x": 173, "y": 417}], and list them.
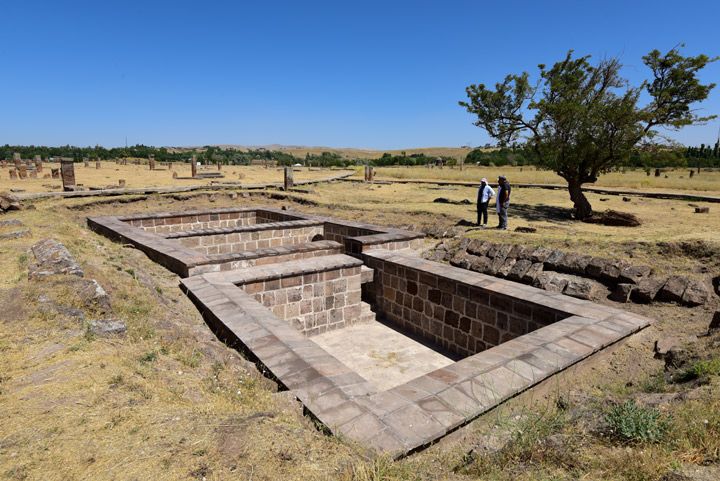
[
  {"x": 700, "y": 369},
  {"x": 631, "y": 423}
]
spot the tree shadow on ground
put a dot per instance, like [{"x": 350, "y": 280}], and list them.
[{"x": 534, "y": 212}]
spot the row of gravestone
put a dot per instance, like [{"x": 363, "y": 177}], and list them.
[{"x": 548, "y": 269}]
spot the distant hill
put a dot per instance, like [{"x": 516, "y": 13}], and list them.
[{"x": 347, "y": 152}]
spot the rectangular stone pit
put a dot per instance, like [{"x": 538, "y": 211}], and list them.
[
  {"x": 300, "y": 311},
  {"x": 196, "y": 242}
]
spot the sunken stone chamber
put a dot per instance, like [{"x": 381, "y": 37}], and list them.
[
  {"x": 307, "y": 280},
  {"x": 215, "y": 240},
  {"x": 451, "y": 312}
]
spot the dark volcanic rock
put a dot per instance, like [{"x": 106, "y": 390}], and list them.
[
  {"x": 622, "y": 293},
  {"x": 611, "y": 270},
  {"x": 535, "y": 270},
  {"x": 506, "y": 267},
  {"x": 647, "y": 289},
  {"x": 695, "y": 294},
  {"x": 596, "y": 266},
  {"x": 519, "y": 269},
  {"x": 18, "y": 234},
  {"x": 554, "y": 259},
  {"x": 540, "y": 254},
  {"x": 478, "y": 247},
  {"x": 551, "y": 282},
  {"x": 633, "y": 274},
  {"x": 673, "y": 289},
  {"x": 583, "y": 289}
]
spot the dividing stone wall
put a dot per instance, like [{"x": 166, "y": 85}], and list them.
[
  {"x": 236, "y": 242},
  {"x": 433, "y": 301},
  {"x": 189, "y": 222}
]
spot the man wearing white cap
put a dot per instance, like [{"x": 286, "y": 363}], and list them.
[{"x": 485, "y": 193}]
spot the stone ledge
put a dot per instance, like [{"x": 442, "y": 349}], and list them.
[
  {"x": 286, "y": 269},
  {"x": 293, "y": 224}
]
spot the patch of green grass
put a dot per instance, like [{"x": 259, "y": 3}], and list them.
[
  {"x": 654, "y": 384},
  {"x": 148, "y": 357},
  {"x": 700, "y": 369},
  {"x": 633, "y": 424}
]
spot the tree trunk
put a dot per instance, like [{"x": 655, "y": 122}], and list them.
[{"x": 583, "y": 209}]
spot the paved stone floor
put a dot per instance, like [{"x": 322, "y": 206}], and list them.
[{"x": 383, "y": 356}]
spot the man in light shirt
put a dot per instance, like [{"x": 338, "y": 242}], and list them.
[{"x": 485, "y": 193}]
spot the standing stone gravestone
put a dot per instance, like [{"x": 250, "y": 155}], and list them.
[
  {"x": 288, "y": 183},
  {"x": 16, "y": 160},
  {"x": 55, "y": 173},
  {"x": 33, "y": 174},
  {"x": 67, "y": 171},
  {"x": 13, "y": 174},
  {"x": 219, "y": 165},
  {"x": 151, "y": 162},
  {"x": 22, "y": 171},
  {"x": 193, "y": 165},
  {"x": 97, "y": 164},
  {"x": 369, "y": 173},
  {"x": 121, "y": 182}
]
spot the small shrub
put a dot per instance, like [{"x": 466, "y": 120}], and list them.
[
  {"x": 700, "y": 369},
  {"x": 631, "y": 423},
  {"x": 149, "y": 357}
]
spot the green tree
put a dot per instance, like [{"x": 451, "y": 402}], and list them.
[{"x": 582, "y": 120}]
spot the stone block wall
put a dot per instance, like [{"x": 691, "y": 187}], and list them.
[
  {"x": 338, "y": 232},
  {"x": 249, "y": 241},
  {"x": 181, "y": 223},
  {"x": 461, "y": 317},
  {"x": 313, "y": 303}
]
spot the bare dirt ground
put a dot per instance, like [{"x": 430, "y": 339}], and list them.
[{"x": 168, "y": 401}]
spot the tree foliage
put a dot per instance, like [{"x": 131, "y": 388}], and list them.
[{"x": 582, "y": 120}]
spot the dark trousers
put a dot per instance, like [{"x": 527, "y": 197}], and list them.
[
  {"x": 503, "y": 215},
  {"x": 482, "y": 209}
]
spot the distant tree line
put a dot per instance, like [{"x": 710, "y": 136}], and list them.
[{"x": 649, "y": 157}]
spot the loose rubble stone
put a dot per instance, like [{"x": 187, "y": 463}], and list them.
[
  {"x": 695, "y": 294},
  {"x": 478, "y": 247},
  {"x": 107, "y": 327},
  {"x": 53, "y": 258},
  {"x": 540, "y": 254},
  {"x": 532, "y": 273},
  {"x": 673, "y": 289},
  {"x": 93, "y": 294},
  {"x": 550, "y": 281},
  {"x": 633, "y": 274},
  {"x": 460, "y": 259},
  {"x": 15, "y": 234},
  {"x": 519, "y": 269},
  {"x": 554, "y": 260},
  {"x": 596, "y": 266},
  {"x": 11, "y": 223},
  {"x": 611, "y": 270},
  {"x": 582, "y": 289},
  {"x": 479, "y": 264},
  {"x": 663, "y": 346},
  {"x": 506, "y": 267},
  {"x": 622, "y": 293},
  {"x": 647, "y": 289},
  {"x": 8, "y": 202}
]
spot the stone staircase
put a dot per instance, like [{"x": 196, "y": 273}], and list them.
[{"x": 366, "y": 313}]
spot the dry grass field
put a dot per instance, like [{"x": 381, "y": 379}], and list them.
[
  {"x": 141, "y": 176},
  {"x": 170, "y": 402},
  {"x": 677, "y": 180}
]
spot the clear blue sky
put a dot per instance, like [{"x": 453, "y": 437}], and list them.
[{"x": 379, "y": 74}]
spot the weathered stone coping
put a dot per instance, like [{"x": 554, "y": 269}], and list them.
[
  {"x": 292, "y": 224},
  {"x": 413, "y": 415}
]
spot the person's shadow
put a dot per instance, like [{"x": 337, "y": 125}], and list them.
[{"x": 534, "y": 212}]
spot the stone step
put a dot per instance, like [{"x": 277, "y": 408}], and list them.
[{"x": 366, "y": 312}]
